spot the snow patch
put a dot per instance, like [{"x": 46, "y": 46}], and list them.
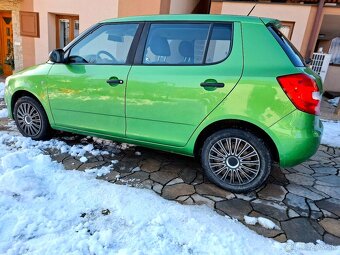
[
  {"x": 3, "y": 113},
  {"x": 334, "y": 101},
  {"x": 266, "y": 223},
  {"x": 2, "y": 89},
  {"x": 331, "y": 133}
]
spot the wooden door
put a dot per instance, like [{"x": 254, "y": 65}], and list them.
[
  {"x": 67, "y": 28},
  {"x": 6, "y": 44}
]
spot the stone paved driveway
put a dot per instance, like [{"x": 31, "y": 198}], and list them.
[{"x": 304, "y": 201}]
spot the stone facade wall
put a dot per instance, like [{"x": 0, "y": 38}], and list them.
[{"x": 14, "y": 7}]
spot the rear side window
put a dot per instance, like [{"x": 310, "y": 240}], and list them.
[
  {"x": 293, "y": 54},
  {"x": 187, "y": 44}
]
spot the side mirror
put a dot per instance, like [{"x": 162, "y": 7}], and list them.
[{"x": 57, "y": 56}]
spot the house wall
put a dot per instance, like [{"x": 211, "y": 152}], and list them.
[
  {"x": 89, "y": 12},
  {"x": 182, "y": 7},
  {"x": 302, "y": 15},
  {"x": 332, "y": 79},
  {"x": 27, "y": 43},
  {"x": 133, "y": 7}
]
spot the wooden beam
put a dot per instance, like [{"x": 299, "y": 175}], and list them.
[{"x": 315, "y": 30}]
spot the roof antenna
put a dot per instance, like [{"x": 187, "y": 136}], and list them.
[{"x": 252, "y": 9}]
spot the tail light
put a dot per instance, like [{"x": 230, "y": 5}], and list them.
[{"x": 302, "y": 90}]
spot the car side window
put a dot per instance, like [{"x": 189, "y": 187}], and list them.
[
  {"x": 219, "y": 43},
  {"x": 187, "y": 44},
  {"x": 108, "y": 44},
  {"x": 176, "y": 44}
]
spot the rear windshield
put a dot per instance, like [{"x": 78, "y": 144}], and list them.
[{"x": 293, "y": 54}]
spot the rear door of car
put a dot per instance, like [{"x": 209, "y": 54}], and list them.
[{"x": 182, "y": 71}]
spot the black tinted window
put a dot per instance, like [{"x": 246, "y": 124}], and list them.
[
  {"x": 176, "y": 44},
  {"x": 288, "y": 47},
  {"x": 187, "y": 44},
  {"x": 219, "y": 43}
]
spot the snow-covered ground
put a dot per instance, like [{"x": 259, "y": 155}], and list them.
[{"x": 45, "y": 209}]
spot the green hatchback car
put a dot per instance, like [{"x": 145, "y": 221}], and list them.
[{"x": 230, "y": 90}]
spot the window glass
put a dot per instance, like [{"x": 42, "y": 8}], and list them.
[
  {"x": 176, "y": 44},
  {"x": 219, "y": 44},
  {"x": 109, "y": 44},
  {"x": 293, "y": 54}
]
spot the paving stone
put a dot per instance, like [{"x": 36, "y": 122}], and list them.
[
  {"x": 332, "y": 226},
  {"x": 316, "y": 215},
  {"x": 328, "y": 214},
  {"x": 163, "y": 177},
  {"x": 235, "y": 208},
  {"x": 271, "y": 209},
  {"x": 281, "y": 238},
  {"x": 247, "y": 196},
  {"x": 273, "y": 192},
  {"x": 257, "y": 214},
  {"x": 292, "y": 213},
  {"x": 189, "y": 201},
  {"x": 182, "y": 198},
  {"x": 59, "y": 157},
  {"x": 211, "y": 190},
  {"x": 330, "y": 239},
  {"x": 331, "y": 191},
  {"x": 320, "y": 155},
  {"x": 111, "y": 177},
  {"x": 175, "y": 181},
  {"x": 150, "y": 165},
  {"x": 303, "y": 169},
  {"x": 303, "y": 192},
  {"x": 173, "y": 168},
  {"x": 300, "y": 179},
  {"x": 278, "y": 174},
  {"x": 71, "y": 163},
  {"x": 297, "y": 203},
  {"x": 217, "y": 199},
  {"x": 188, "y": 175},
  {"x": 198, "y": 179},
  {"x": 265, "y": 232},
  {"x": 136, "y": 177},
  {"x": 157, "y": 188},
  {"x": 147, "y": 184},
  {"x": 329, "y": 180},
  {"x": 92, "y": 165},
  {"x": 325, "y": 170},
  {"x": 300, "y": 230},
  {"x": 200, "y": 200},
  {"x": 332, "y": 205},
  {"x": 174, "y": 191}
]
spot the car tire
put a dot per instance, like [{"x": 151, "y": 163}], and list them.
[
  {"x": 236, "y": 160},
  {"x": 31, "y": 119}
]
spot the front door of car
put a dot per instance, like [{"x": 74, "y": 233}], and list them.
[
  {"x": 183, "y": 72},
  {"x": 88, "y": 91}
]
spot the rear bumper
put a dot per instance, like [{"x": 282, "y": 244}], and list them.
[{"x": 297, "y": 137}]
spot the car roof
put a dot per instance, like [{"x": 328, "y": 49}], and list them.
[{"x": 188, "y": 17}]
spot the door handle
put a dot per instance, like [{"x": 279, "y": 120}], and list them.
[
  {"x": 212, "y": 84},
  {"x": 114, "y": 81}
]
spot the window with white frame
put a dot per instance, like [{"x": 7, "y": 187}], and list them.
[{"x": 335, "y": 51}]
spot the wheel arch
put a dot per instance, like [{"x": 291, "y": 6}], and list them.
[
  {"x": 234, "y": 123},
  {"x": 21, "y": 93}
]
